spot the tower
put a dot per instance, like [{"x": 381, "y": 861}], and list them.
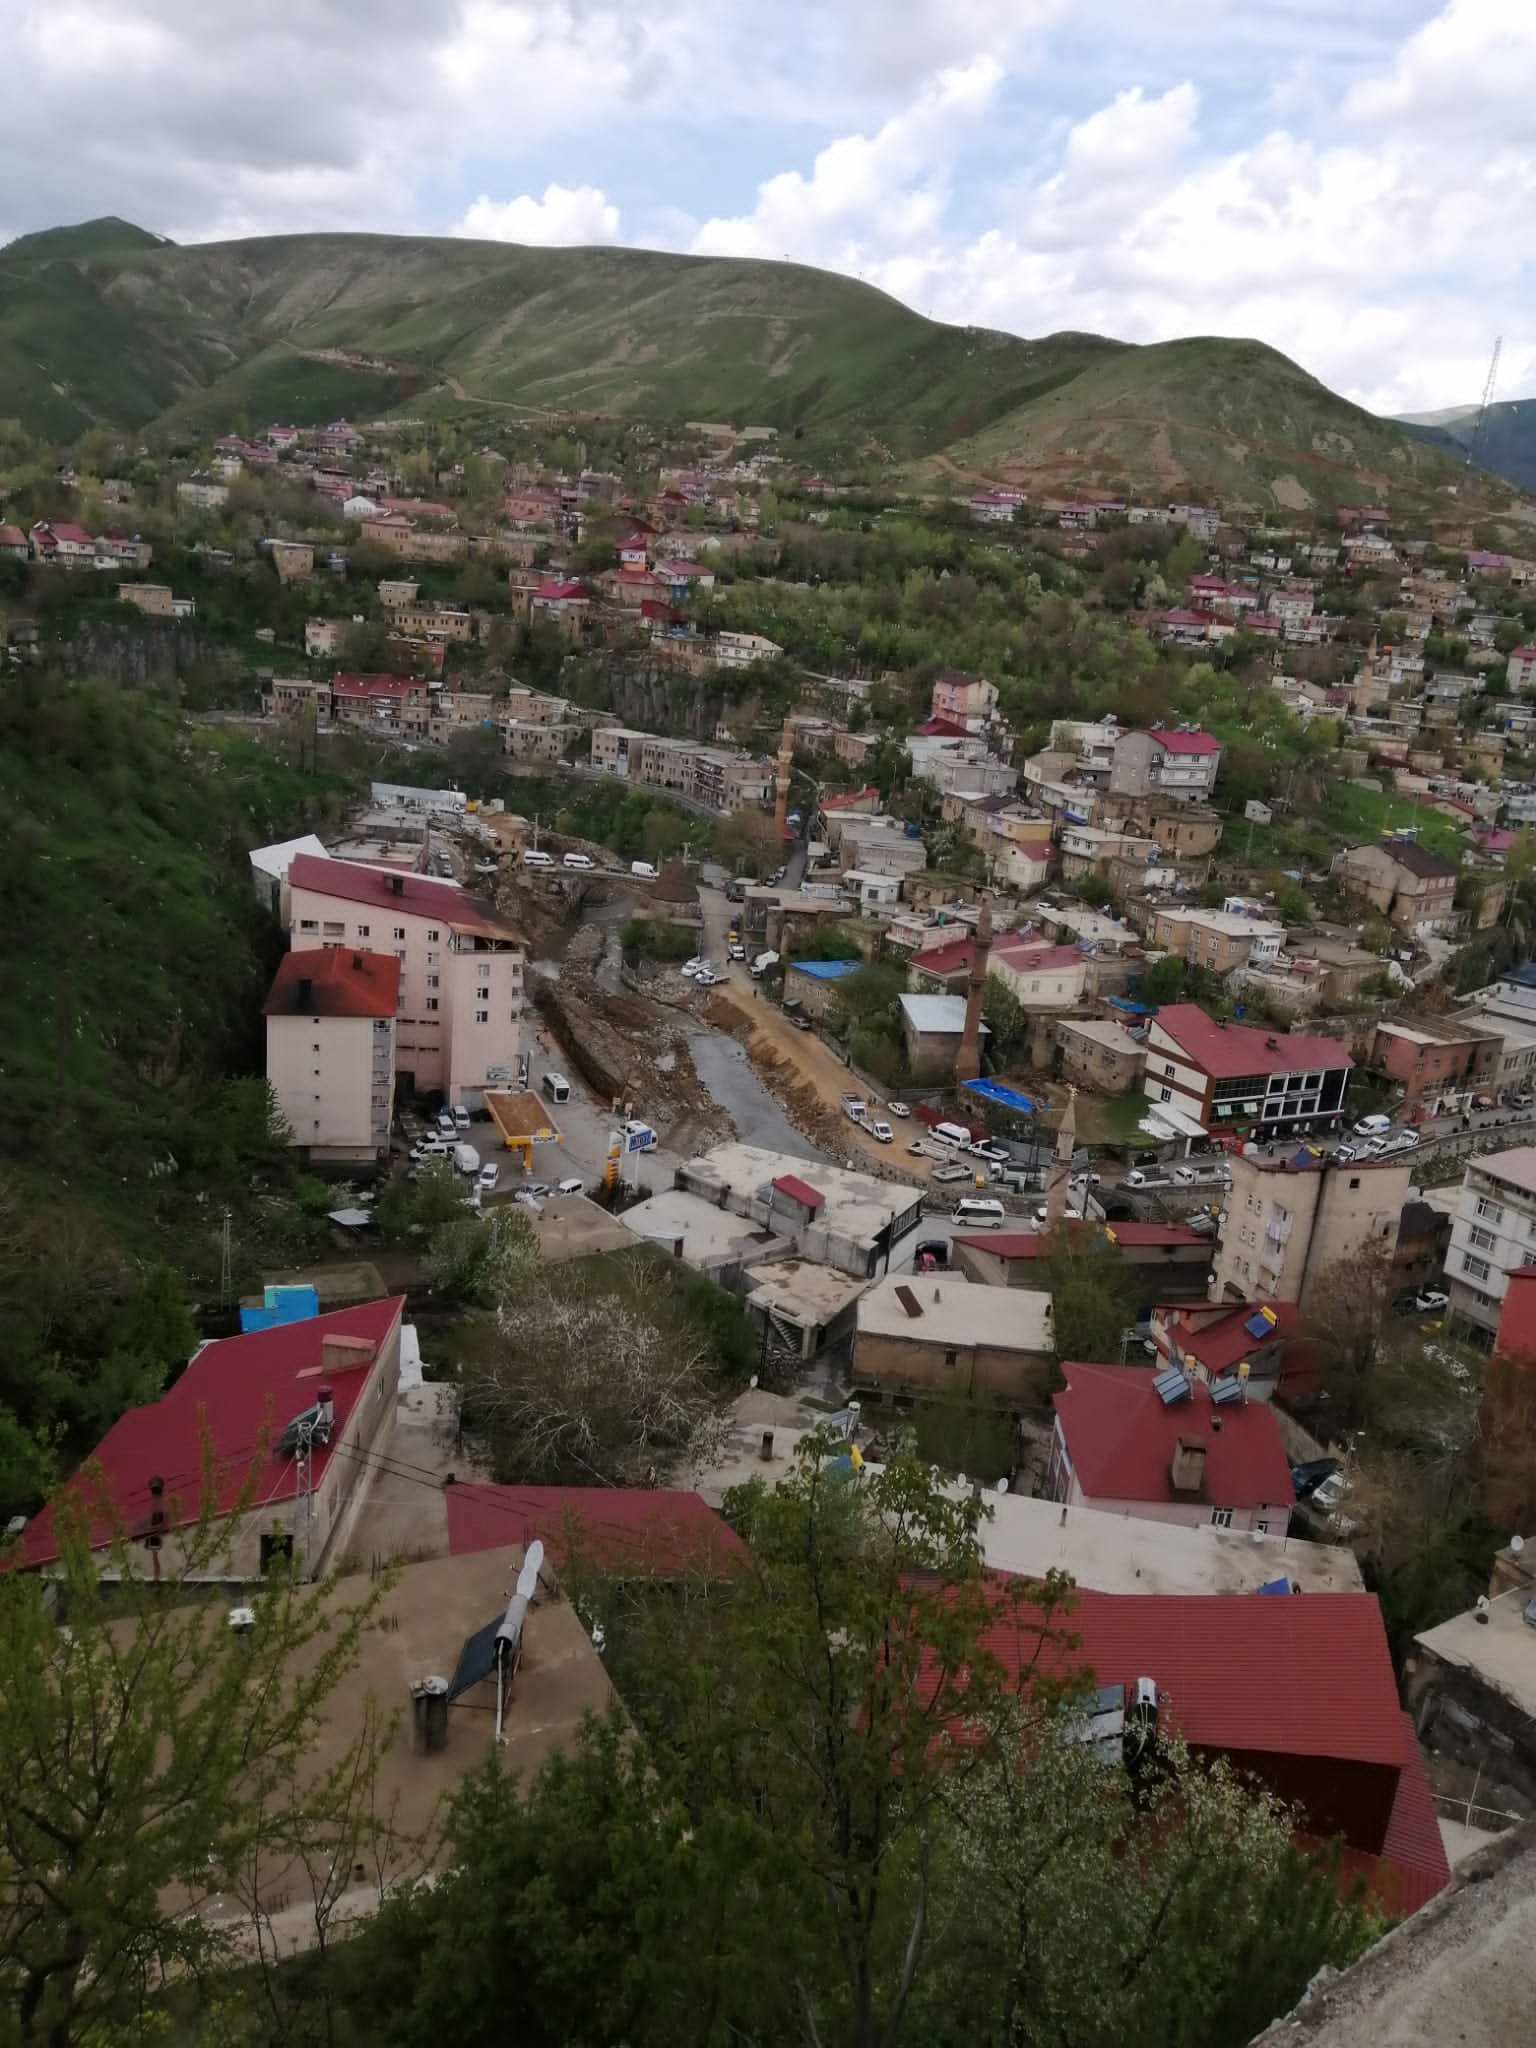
[
  {"x": 781, "y": 783},
  {"x": 1058, "y": 1186},
  {"x": 968, "y": 1058}
]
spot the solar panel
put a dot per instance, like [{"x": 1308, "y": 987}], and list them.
[
  {"x": 1228, "y": 1389},
  {"x": 477, "y": 1659},
  {"x": 1171, "y": 1386},
  {"x": 1262, "y": 1324}
]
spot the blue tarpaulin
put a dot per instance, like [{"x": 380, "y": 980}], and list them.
[
  {"x": 1133, "y": 1009},
  {"x": 281, "y": 1305},
  {"x": 1275, "y": 1586},
  {"x": 1005, "y": 1098}
]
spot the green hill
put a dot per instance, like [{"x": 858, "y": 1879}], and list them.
[
  {"x": 105, "y": 322},
  {"x": 1506, "y": 443}
]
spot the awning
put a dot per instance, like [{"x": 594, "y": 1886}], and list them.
[{"x": 1179, "y": 1123}]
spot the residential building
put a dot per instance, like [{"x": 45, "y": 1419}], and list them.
[
  {"x": 1520, "y": 670},
  {"x": 432, "y": 621},
  {"x": 931, "y": 1028},
  {"x": 1098, "y": 1054},
  {"x": 14, "y": 545},
  {"x": 1508, "y": 1008},
  {"x": 155, "y": 600},
  {"x": 1409, "y": 884},
  {"x": 129, "y": 551},
  {"x": 296, "y": 697},
  {"x": 634, "y": 1532},
  {"x": 843, "y": 1219},
  {"x": 337, "y": 1373},
  {"x": 381, "y": 702},
  {"x": 323, "y": 637},
  {"x": 874, "y": 892},
  {"x": 937, "y": 1336},
  {"x": 616, "y": 749},
  {"x": 1164, "y": 1446},
  {"x": 1170, "y": 1261},
  {"x": 331, "y": 1050},
  {"x": 1218, "y": 940},
  {"x": 526, "y": 739},
  {"x": 741, "y": 650},
  {"x": 461, "y": 987},
  {"x": 1494, "y": 1235},
  {"x": 878, "y": 846},
  {"x": 967, "y": 701},
  {"x": 942, "y": 966},
  {"x": 813, "y": 984},
  {"x": 294, "y": 560},
  {"x": 206, "y": 493},
  {"x": 1242, "y": 1078},
  {"x": 60, "y": 544},
  {"x": 269, "y": 871},
  {"x": 1038, "y": 976},
  {"x": 1212, "y": 1341},
  {"x": 1179, "y": 762},
  {"x": 1293, "y": 1215},
  {"x": 564, "y": 602},
  {"x": 1436, "y": 1060}
]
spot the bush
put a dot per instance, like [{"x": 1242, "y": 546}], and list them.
[{"x": 650, "y": 939}]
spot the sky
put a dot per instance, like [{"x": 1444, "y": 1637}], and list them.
[{"x": 1350, "y": 180}]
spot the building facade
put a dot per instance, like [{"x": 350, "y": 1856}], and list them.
[
  {"x": 1493, "y": 1235},
  {"x": 331, "y": 1050},
  {"x": 1241, "y": 1078},
  {"x": 1288, "y": 1223}
]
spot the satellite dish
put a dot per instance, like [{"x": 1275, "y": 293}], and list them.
[{"x": 1516, "y": 1545}]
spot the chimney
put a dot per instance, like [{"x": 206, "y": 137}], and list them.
[
  {"x": 357, "y": 963},
  {"x": 765, "y": 1448},
  {"x": 429, "y": 1716},
  {"x": 345, "y": 1354},
  {"x": 968, "y": 1058},
  {"x": 1186, "y": 1474},
  {"x": 306, "y": 991},
  {"x": 397, "y": 885}
]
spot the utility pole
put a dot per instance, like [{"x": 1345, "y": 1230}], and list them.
[{"x": 226, "y": 1264}]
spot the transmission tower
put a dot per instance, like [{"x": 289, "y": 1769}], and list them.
[
  {"x": 1476, "y": 442},
  {"x": 226, "y": 1264}
]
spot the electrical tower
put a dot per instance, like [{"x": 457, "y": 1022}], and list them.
[{"x": 1474, "y": 446}]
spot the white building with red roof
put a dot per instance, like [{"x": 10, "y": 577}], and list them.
[
  {"x": 1170, "y": 1447},
  {"x": 331, "y": 1049},
  {"x": 1243, "y": 1079},
  {"x": 63, "y": 545},
  {"x": 457, "y": 1026},
  {"x": 1168, "y": 761},
  {"x": 243, "y": 1407},
  {"x": 381, "y": 702},
  {"x": 1039, "y": 976}
]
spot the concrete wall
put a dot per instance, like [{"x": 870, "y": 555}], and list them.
[
  {"x": 322, "y": 1072},
  {"x": 899, "y": 1365}
]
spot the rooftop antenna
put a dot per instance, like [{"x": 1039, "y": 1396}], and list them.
[
  {"x": 226, "y": 1264},
  {"x": 1474, "y": 445}
]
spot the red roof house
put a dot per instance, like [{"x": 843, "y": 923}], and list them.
[
  {"x": 630, "y": 1528},
  {"x": 1134, "y": 1442},
  {"x": 332, "y": 981},
  {"x": 347, "y": 881},
  {"x": 233, "y": 1405},
  {"x": 1243, "y": 1076},
  {"x": 1298, "y": 1690},
  {"x": 944, "y": 966},
  {"x": 1171, "y": 1262}
]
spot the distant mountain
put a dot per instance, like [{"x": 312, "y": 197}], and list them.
[
  {"x": 1507, "y": 445},
  {"x": 107, "y": 323}
]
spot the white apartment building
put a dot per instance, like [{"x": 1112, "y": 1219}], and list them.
[
  {"x": 1493, "y": 1235},
  {"x": 740, "y": 650},
  {"x": 457, "y": 1025},
  {"x": 331, "y": 1049}
]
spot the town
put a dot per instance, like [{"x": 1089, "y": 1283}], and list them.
[{"x": 796, "y": 974}]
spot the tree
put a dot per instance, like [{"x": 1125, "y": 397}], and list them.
[
  {"x": 435, "y": 1197},
  {"x": 154, "y": 1759},
  {"x": 1093, "y": 1293},
  {"x": 1348, "y": 1323},
  {"x": 1006, "y": 1019},
  {"x": 1162, "y": 981}
]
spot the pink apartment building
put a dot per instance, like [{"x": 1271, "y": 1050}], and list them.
[
  {"x": 331, "y": 1049},
  {"x": 461, "y": 969}
]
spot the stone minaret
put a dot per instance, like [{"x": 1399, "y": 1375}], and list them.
[
  {"x": 968, "y": 1059},
  {"x": 781, "y": 783},
  {"x": 1057, "y": 1188}
]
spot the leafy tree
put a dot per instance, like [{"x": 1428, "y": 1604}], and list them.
[
  {"x": 154, "y": 1761},
  {"x": 1093, "y": 1293},
  {"x": 416, "y": 1207},
  {"x": 1162, "y": 981},
  {"x": 1092, "y": 890},
  {"x": 1006, "y": 1019}
]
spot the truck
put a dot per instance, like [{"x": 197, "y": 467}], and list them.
[
  {"x": 854, "y": 1107},
  {"x": 638, "y": 1137},
  {"x": 762, "y": 963},
  {"x": 466, "y": 1159}
]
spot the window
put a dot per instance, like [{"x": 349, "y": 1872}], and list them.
[
  {"x": 399, "y": 931},
  {"x": 1168, "y": 1066},
  {"x": 433, "y": 980},
  {"x": 1262, "y": 1528},
  {"x": 482, "y": 1016},
  {"x": 483, "y": 973},
  {"x": 433, "y": 935},
  {"x": 309, "y": 924},
  {"x": 1493, "y": 1211},
  {"x": 1221, "y": 1518},
  {"x": 1354, "y": 1180},
  {"x": 431, "y": 1002},
  {"x": 432, "y": 959},
  {"x": 1476, "y": 1269},
  {"x": 1165, "y": 1095},
  {"x": 1480, "y": 1240},
  {"x": 951, "y": 1357},
  {"x": 363, "y": 930}
]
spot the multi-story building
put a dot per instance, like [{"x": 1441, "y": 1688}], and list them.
[
  {"x": 433, "y": 621},
  {"x": 1494, "y": 1235},
  {"x": 387, "y": 703},
  {"x": 741, "y": 650},
  {"x": 1520, "y": 670},
  {"x": 1242, "y": 1079},
  {"x": 461, "y": 981},
  {"x": 1508, "y": 1007},
  {"x": 1409, "y": 884},
  {"x": 294, "y": 696},
  {"x": 617, "y": 750},
  {"x": 1433, "y": 1059},
  {"x": 1292, "y": 1216},
  {"x": 331, "y": 1049},
  {"x": 970, "y": 701},
  {"x": 1038, "y": 977},
  {"x": 1219, "y": 940},
  {"x": 1177, "y": 762}
]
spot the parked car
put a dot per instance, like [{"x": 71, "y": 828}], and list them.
[
  {"x": 738, "y": 952},
  {"x": 988, "y": 1148},
  {"x": 1429, "y": 1298},
  {"x": 1373, "y": 1148},
  {"x": 692, "y": 967},
  {"x": 569, "y": 1187},
  {"x": 1328, "y": 1496},
  {"x": 881, "y": 1132},
  {"x": 1202, "y": 1223},
  {"x": 1372, "y": 1126},
  {"x": 802, "y": 1022},
  {"x": 1342, "y": 1154},
  {"x": 898, "y": 1109},
  {"x": 460, "y": 1117},
  {"x": 952, "y": 1173},
  {"x": 490, "y": 1173},
  {"x": 1402, "y": 1141},
  {"x": 1308, "y": 1477},
  {"x": 537, "y": 1188},
  {"x": 707, "y": 977},
  {"x": 577, "y": 860},
  {"x": 917, "y": 1148},
  {"x": 1146, "y": 1177},
  {"x": 445, "y": 1123}
]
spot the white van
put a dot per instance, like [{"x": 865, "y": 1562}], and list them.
[
  {"x": 466, "y": 1158},
  {"x": 556, "y": 1087},
  {"x": 643, "y": 870},
  {"x": 577, "y": 860},
  {"x": 534, "y": 858},
  {"x": 977, "y": 1213},
  {"x": 951, "y": 1134}
]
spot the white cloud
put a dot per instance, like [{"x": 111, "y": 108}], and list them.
[
  {"x": 1468, "y": 72},
  {"x": 561, "y": 218}
]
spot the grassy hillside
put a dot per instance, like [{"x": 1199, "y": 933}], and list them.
[
  {"x": 1232, "y": 421},
  {"x": 106, "y": 322},
  {"x": 1507, "y": 444}
]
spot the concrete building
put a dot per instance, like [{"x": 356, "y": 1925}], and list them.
[
  {"x": 1039, "y": 977},
  {"x": 382, "y": 703},
  {"x": 1508, "y": 1007},
  {"x": 1293, "y": 1215},
  {"x": 813, "y": 984},
  {"x": 1241, "y": 1077},
  {"x": 1163, "y": 1447},
  {"x": 1494, "y": 1234},
  {"x": 339, "y": 1372},
  {"x": 1097, "y": 1053},
  {"x": 1217, "y": 940},
  {"x": 296, "y": 697},
  {"x": 1435, "y": 1060},
  {"x": 1412, "y": 886},
  {"x": 937, "y": 1335},
  {"x": 931, "y": 1028},
  {"x": 331, "y": 1050},
  {"x": 1169, "y": 762},
  {"x": 1170, "y": 1261},
  {"x": 617, "y": 749},
  {"x": 844, "y": 1219},
  {"x": 461, "y": 988},
  {"x": 878, "y": 846},
  {"x": 269, "y": 870},
  {"x": 155, "y": 600},
  {"x": 741, "y": 650}
]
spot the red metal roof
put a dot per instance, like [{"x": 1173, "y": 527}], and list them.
[
  {"x": 853, "y": 796},
  {"x": 1228, "y": 1051},
  {"x": 559, "y": 593},
  {"x": 945, "y": 959},
  {"x": 418, "y": 895},
  {"x": 1121, "y": 1437},
  {"x": 233, "y": 1392},
  {"x": 332, "y": 981},
  {"x": 1028, "y": 956},
  {"x": 350, "y": 685},
  {"x": 943, "y": 729},
  {"x": 1028, "y": 1244},
  {"x": 799, "y": 1190},
  {"x": 1225, "y": 1341},
  {"x": 1517, "y": 1319},
  {"x": 658, "y": 1531},
  {"x": 1187, "y": 742}
]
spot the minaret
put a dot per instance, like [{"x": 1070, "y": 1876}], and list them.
[
  {"x": 1057, "y": 1188},
  {"x": 781, "y": 784},
  {"x": 968, "y": 1059}
]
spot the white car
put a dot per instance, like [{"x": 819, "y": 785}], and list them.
[
  {"x": 489, "y": 1175},
  {"x": 707, "y": 977},
  {"x": 1372, "y": 1126},
  {"x": 738, "y": 952},
  {"x": 445, "y": 1123},
  {"x": 882, "y": 1133},
  {"x": 1403, "y": 1141},
  {"x": 460, "y": 1118},
  {"x": 577, "y": 860},
  {"x": 898, "y": 1109},
  {"x": 952, "y": 1173},
  {"x": 569, "y": 1187}
]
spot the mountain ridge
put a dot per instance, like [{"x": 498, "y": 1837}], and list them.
[{"x": 105, "y": 323}]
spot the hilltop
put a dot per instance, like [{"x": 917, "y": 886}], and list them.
[
  {"x": 105, "y": 323},
  {"x": 1506, "y": 445}
]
